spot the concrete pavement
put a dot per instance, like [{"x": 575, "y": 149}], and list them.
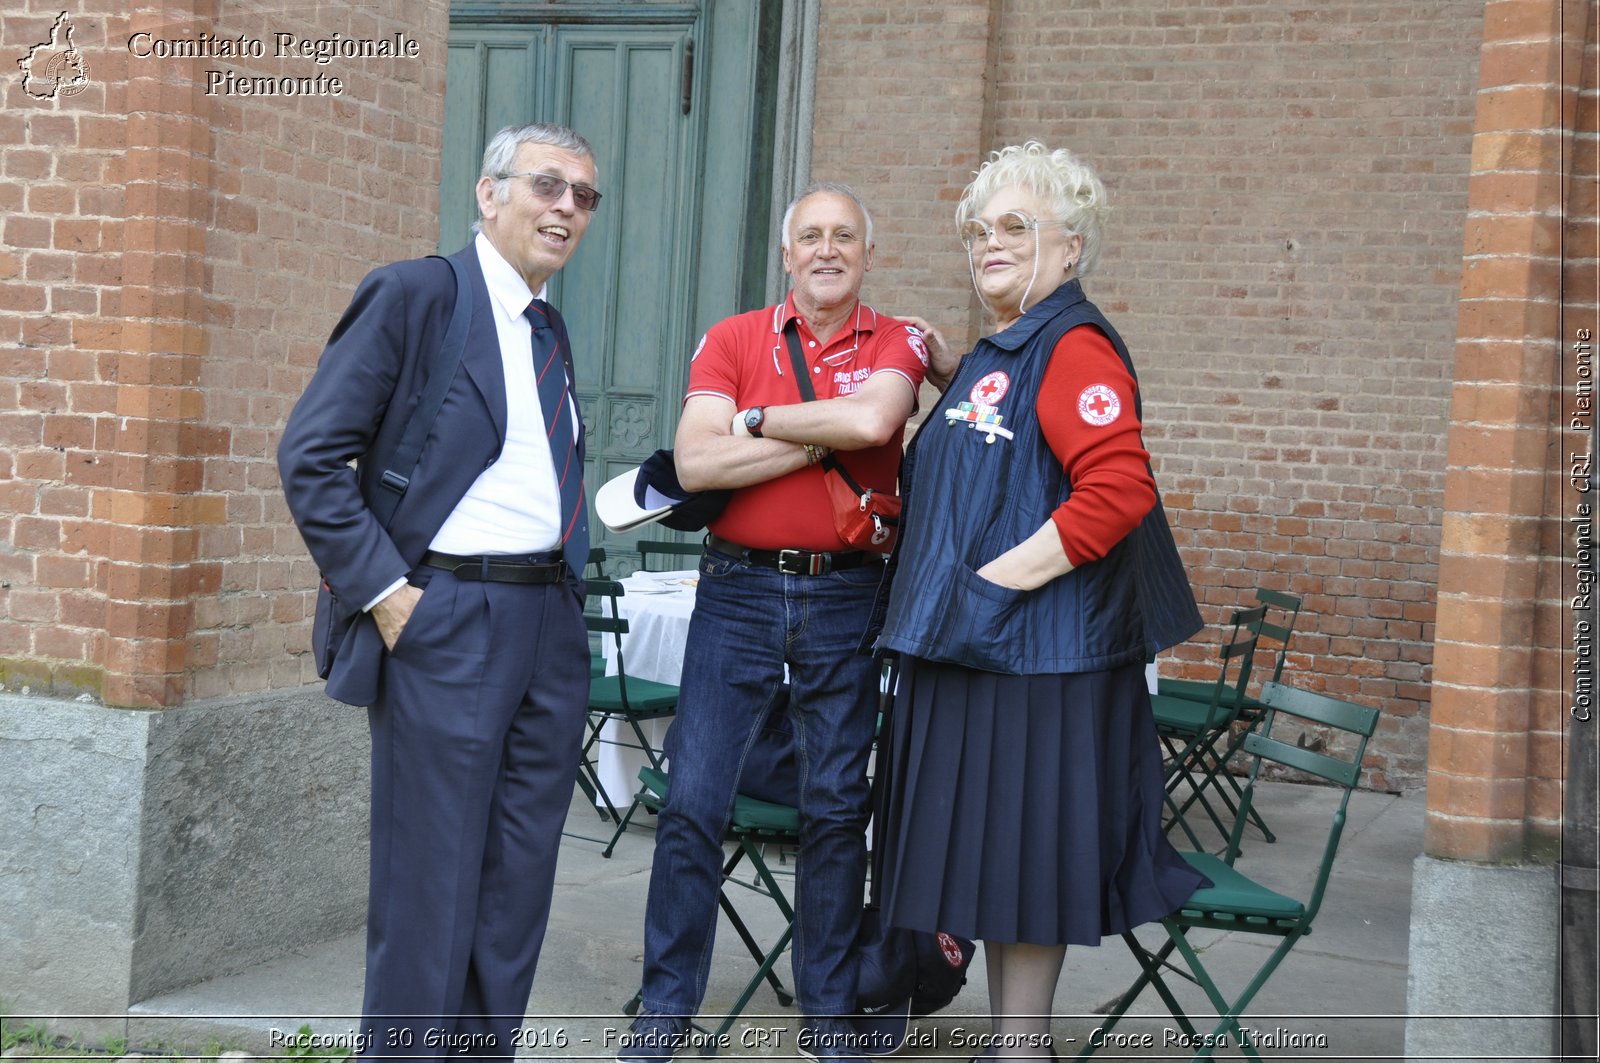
[{"x": 1340, "y": 995}]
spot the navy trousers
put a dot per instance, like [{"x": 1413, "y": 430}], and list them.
[{"x": 475, "y": 739}]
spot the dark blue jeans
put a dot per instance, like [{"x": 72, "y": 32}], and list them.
[{"x": 748, "y": 623}]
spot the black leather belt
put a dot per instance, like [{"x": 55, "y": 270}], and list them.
[
  {"x": 795, "y": 562},
  {"x": 501, "y": 568}
]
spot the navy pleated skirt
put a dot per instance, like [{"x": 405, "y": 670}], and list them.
[{"x": 1026, "y": 808}]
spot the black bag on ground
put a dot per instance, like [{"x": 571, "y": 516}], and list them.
[{"x": 770, "y": 772}]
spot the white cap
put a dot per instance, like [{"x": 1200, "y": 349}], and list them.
[{"x": 617, "y": 509}]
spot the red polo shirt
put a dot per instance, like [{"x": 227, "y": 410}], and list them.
[{"x": 744, "y": 359}]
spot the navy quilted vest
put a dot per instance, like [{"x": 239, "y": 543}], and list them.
[{"x": 969, "y": 500}]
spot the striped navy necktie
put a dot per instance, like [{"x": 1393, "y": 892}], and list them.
[{"x": 550, "y": 375}]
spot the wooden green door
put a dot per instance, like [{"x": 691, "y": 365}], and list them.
[{"x": 644, "y": 283}]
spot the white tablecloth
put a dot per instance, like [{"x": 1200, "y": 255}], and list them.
[{"x": 656, "y": 606}]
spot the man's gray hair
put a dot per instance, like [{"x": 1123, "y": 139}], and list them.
[
  {"x": 838, "y": 188},
  {"x": 501, "y": 154}
]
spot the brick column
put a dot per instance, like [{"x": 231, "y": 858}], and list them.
[
  {"x": 1494, "y": 742},
  {"x": 1495, "y": 757},
  {"x": 152, "y": 505},
  {"x": 62, "y": 205}
]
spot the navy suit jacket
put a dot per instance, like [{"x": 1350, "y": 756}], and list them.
[{"x": 370, "y": 377}]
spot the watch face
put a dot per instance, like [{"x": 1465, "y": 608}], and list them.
[{"x": 753, "y": 418}]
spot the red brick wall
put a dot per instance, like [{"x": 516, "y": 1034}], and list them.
[
  {"x": 318, "y": 192},
  {"x": 1289, "y": 187},
  {"x": 172, "y": 263},
  {"x": 64, "y": 201},
  {"x": 901, "y": 111}
]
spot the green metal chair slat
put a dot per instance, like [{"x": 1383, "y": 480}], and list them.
[
  {"x": 1179, "y": 714},
  {"x": 1301, "y": 759},
  {"x": 751, "y": 815},
  {"x": 1187, "y": 689},
  {"x": 646, "y": 698},
  {"x": 657, "y": 555},
  {"x": 596, "y": 570},
  {"x": 1233, "y": 894}
]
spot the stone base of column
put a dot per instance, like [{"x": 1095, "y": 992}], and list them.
[
  {"x": 1483, "y": 962},
  {"x": 148, "y": 850}
]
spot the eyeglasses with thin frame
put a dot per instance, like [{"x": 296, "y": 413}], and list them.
[
  {"x": 549, "y": 186},
  {"x": 1012, "y": 228}
]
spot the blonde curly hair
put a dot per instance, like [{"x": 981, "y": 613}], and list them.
[{"x": 1065, "y": 182}]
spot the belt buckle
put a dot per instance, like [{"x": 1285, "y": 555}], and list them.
[{"x": 802, "y": 562}]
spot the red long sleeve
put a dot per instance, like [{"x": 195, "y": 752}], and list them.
[{"x": 1085, "y": 408}]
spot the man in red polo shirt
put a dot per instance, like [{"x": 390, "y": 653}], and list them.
[{"x": 779, "y": 590}]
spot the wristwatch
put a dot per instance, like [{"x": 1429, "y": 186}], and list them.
[{"x": 753, "y": 418}]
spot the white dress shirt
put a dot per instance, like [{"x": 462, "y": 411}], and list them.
[{"x": 514, "y": 507}]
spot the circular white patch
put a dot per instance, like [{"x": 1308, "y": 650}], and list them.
[
  {"x": 920, "y": 349},
  {"x": 1098, "y": 405},
  {"x": 991, "y": 389}
]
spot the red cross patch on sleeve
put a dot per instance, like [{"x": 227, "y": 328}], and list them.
[
  {"x": 1099, "y": 405},
  {"x": 919, "y": 348}
]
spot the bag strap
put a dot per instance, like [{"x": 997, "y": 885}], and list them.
[
  {"x": 398, "y": 469},
  {"x": 883, "y": 766},
  {"x": 802, "y": 381}
]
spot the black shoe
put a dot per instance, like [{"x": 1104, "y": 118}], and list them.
[{"x": 653, "y": 1039}]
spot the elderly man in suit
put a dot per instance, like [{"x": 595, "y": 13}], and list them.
[{"x": 468, "y": 645}]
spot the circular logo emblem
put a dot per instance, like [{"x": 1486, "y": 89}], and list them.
[
  {"x": 920, "y": 349},
  {"x": 1099, "y": 405},
  {"x": 69, "y": 73},
  {"x": 950, "y": 949},
  {"x": 991, "y": 389}
]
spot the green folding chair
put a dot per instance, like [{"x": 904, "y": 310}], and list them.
[
  {"x": 1193, "y": 732},
  {"x": 756, "y": 825},
  {"x": 620, "y": 699},
  {"x": 596, "y": 570},
  {"x": 666, "y": 555},
  {"x": 1235, "y": 902},
  {"x": 1215, "y": 774}
]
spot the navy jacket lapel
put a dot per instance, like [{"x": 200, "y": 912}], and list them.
[{"x": 482, "y": 356}]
